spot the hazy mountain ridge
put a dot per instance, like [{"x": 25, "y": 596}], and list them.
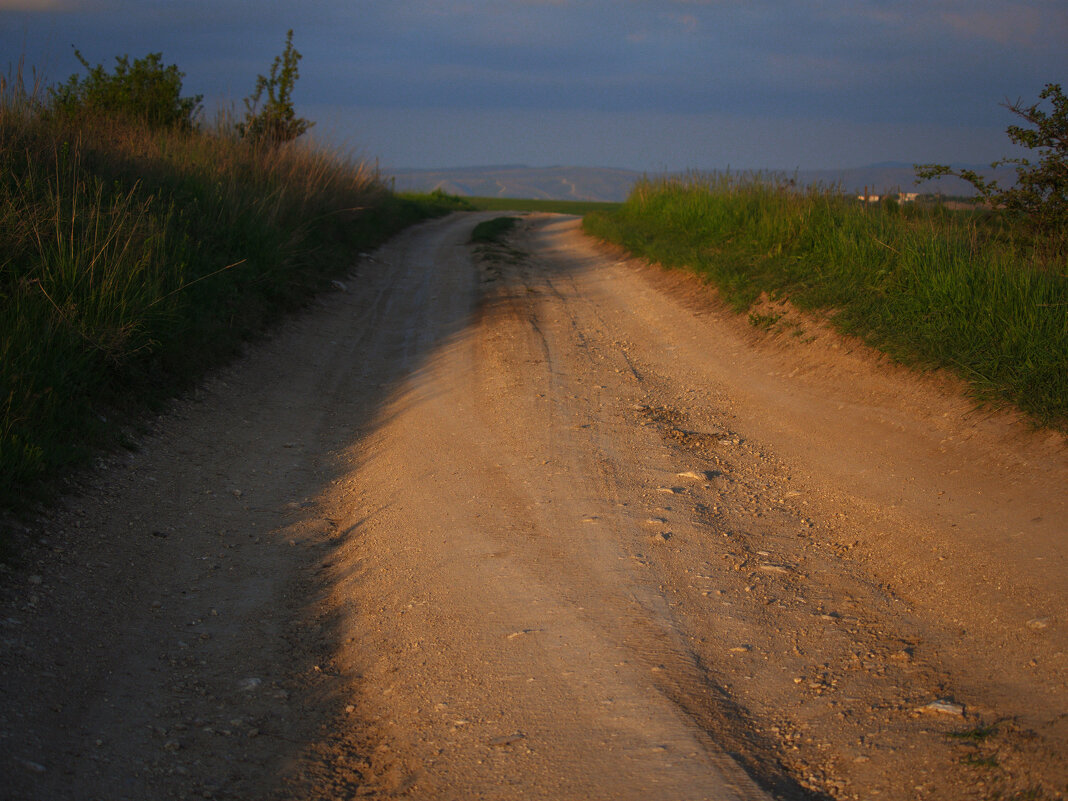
[
  {"x": 609, "y": 184},
  {"x": 517, "y": 181}
]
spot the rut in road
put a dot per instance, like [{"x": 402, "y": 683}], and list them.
[
  {"x": 546, "y": 524},
  {"x": 594, "y": 547},
  {"x": 507, "y": 635}
]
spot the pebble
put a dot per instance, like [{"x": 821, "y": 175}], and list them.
[
  {"x": 1035, "y": 623},
  {"x": 249, "y": 684},
  {"x": 943, "y": 707},
  {"x": 694, "y": 474},
  {"x": 35, "y": 579},
  {"x": 774, "y": 569},
  {"x": 507, "y": 739},
  {"x": 33, "y": 767}
]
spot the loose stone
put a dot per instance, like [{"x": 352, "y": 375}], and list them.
[
  {"x": 943, "y": 707},
  {"x": 508, "y": 739}
]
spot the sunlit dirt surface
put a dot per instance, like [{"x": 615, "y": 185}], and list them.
[{"x": 541, "y": 522}]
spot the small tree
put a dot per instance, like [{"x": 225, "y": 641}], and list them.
[
  {"x": 276, "y": 122},
  {"x": 146, "y": 91},
  {"x": 1041, "y": 191}
]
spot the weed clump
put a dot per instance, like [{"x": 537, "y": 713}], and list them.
[{"x": 494, "y": 230}]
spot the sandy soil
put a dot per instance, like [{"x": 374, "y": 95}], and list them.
[{"x": 541, "y": 522}]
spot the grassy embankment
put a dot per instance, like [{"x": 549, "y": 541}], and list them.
[
  {"x": 973, "y": 292},
  {"x": 132, "y": 260}
]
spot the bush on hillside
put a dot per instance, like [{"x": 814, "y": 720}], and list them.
[
  {"x": 146, "y": 91},
  {"x": 276, "y": 121}
]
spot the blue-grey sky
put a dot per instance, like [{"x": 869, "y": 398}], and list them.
[{"x": 641, "y": 84}]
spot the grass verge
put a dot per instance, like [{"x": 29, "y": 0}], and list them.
[
  {"x": 134, "y": 259},
  {"x": 970, "y": 292}
]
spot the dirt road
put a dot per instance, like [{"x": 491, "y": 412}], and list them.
[{"x": 544, "y": 523}]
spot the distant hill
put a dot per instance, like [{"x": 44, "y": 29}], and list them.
[
  {"x": 606, "y": 184},
  {"x": 515, "y": 181}
]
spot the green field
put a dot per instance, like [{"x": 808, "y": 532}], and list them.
[
  {"x": 974, "y": 292},
  {"x": 576, "y": 207}
]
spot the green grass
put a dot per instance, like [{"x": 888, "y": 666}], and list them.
[
  {"x": 972, "y": 292},
  {"x": 977, "y": 734},
  {"x": 490, "y": 238},
  {"x": 134, "y": 259},
  {"x": 576, "y": 207}
]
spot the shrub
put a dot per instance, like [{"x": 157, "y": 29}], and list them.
[
  {"x": 145, "y": 90},
  {"x": 276, "y": 122},
  {"x": 1041, "y": 191}
]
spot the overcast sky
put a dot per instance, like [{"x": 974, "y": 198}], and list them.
[{"x": 670, "y": 84}]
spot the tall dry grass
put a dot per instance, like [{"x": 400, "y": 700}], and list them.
[{"x": 132, "y": 259}]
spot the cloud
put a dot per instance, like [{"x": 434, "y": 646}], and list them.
[
  {"x": 839, "y": 62},
  {"x": 37, "y": 5},
  {"x": 1006, "y": 22},
  {"x": 1003, "y": 22},
  {"x": 1024, "y": 26},
  {"x": 688, "y": 22}
]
